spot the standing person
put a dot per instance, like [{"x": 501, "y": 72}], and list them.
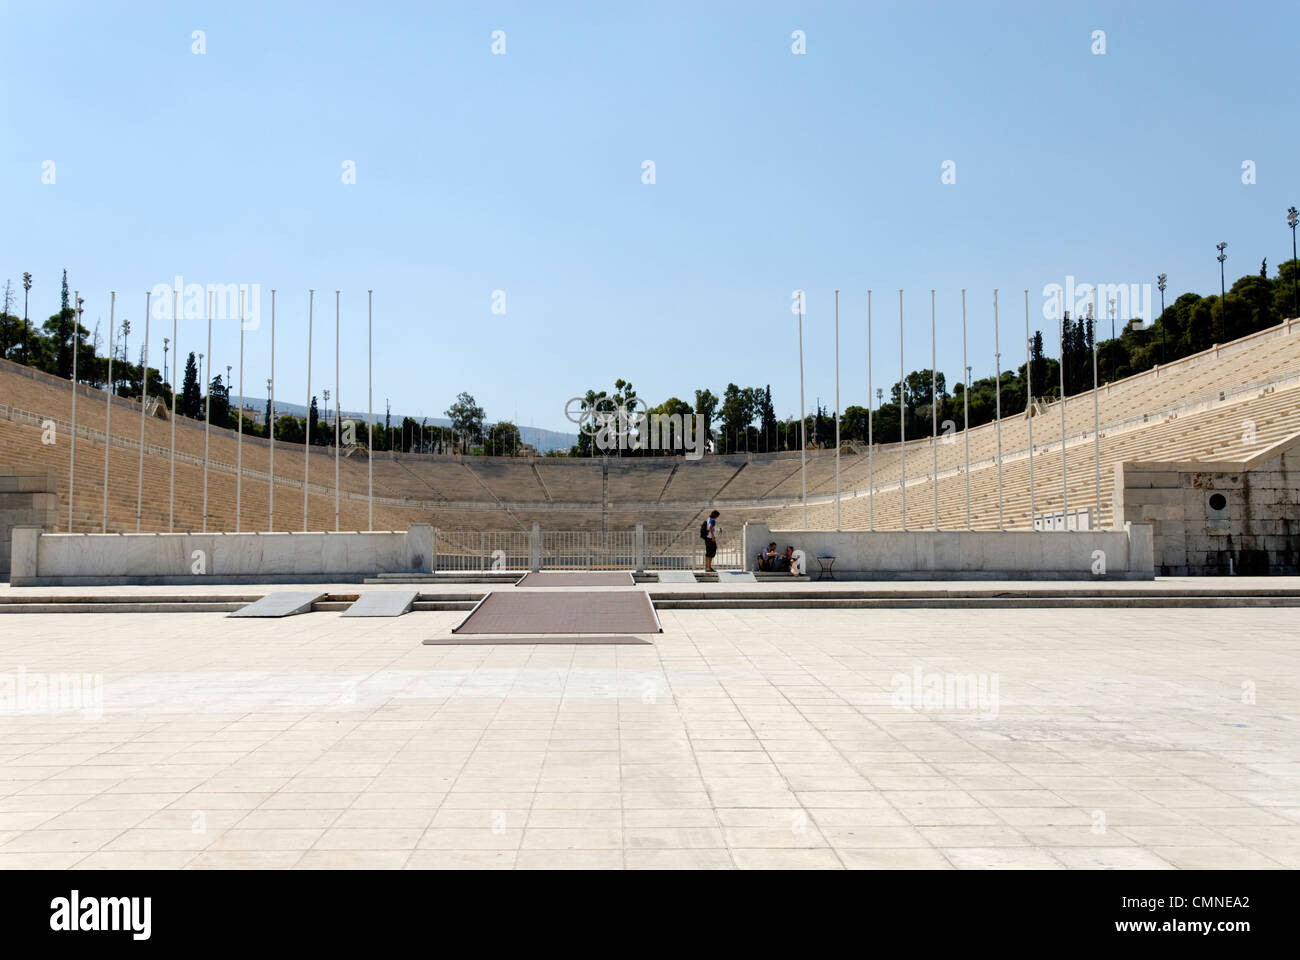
[{"x": 709, "y": 533}]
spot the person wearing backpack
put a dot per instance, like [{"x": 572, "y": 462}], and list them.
[{"x": 709, "y": 534}]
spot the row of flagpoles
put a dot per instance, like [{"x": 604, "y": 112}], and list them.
[
  {"x": 239, "y": 468},
  {"x": 934, "y": 415}
]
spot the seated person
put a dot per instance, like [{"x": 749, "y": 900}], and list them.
[
  {"x": 767, "y": 559},
  {"x": 785, "y": 563}
]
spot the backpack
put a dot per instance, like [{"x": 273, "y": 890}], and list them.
[{"x": 704, "y": 530}]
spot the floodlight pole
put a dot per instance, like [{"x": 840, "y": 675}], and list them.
[
  {"x": 144, "y": 400},
  {"x": 934, "y": 416},
  {"x": 108, "y": 404}
]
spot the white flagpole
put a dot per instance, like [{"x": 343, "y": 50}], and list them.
[
  {"x": 108, "y": 402},
  {"x": 76, "y": 342},
  {"x": 1029, "y": 405},
  {"x": 837, "y": 410},
  {"x": 270, "y": 425},
  {"x": 997, "y": 391},
  {"x": 934, "y": 416},
  {"x": 239, "y": 423},
  {"x": 144, "y": 400},
  {"x": 306, "y": 450},
  {"x": 965, "y": 394},
  {"x": 902, "y": 416},
  {"x": 338, "y": 409},
  {"x": 370, "y": 409},
  {"x": 803, "y": 423},
  {"x": 176, "y": 351},
  {"x": 1065, "y": 478},
  {"x": 871, "y": 446},
  {"x": 1096, "y": 413},
  {"x": 207, "y": 417}
]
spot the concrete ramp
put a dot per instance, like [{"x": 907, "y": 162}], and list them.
[
  {"x": 562, "y": 612},
  {"x": 736, "y": 576},
  {"x": 580, "y": 578},
  {"x": 382, "y": 603},
  {"x": 676, "y": 576},
  {"x": 285, "y": 604}
]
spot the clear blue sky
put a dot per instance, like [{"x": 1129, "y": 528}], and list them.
[{"x": 523, "y": 173}]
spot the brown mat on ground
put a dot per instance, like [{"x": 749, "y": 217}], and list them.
[
  {"x": 475, "y": 638},
  {"x": 558, "y": 578},
  {"x": 605, "y": 613}
]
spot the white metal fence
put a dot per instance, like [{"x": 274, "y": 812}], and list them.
[{"x": 521, "y": 550}]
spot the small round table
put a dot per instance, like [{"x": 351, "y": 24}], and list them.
[{"x": 827, "y": 571}]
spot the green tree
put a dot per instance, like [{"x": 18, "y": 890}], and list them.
[
  {"x": 503, "y": 439},
  {"x": 466, "y": 419},
  {"x": 191, "y": 398}
]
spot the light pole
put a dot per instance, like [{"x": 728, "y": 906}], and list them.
[
  {"x": 167, "y": 341},
  {"x": 1292, "y": 217},
  {"x": 1223, "y": 293},
  {"x": 108, "y": 408},
  {"x": 126, "y": 335},
  {"x": 1112, "y": 342},
  {"x": 1160, "y": 282},
  {"x": 26, "y": 286}
]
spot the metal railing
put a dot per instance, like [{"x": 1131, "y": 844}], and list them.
[{"x": 519, "y": 550}]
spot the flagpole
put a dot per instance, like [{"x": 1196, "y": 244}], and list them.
[
  {"x": 965, "y": 395},
  {"x": 1029, "y": 406},
  {"x": 76, "y": 342},
  {"x": 108, "y": 402},
  {"x": 270, "y": 424},
  {"x": 176, "y": 349},
  {"x": 370, "y": 409},
  {"x": 144, "y": 400},
  {"x": 338, "y": 407},
  {"x": 1065, "y": 480},
  {"x": 1096, "y": 414},
  {"x": 871, "y": 446},
  {"x": 902, "y": 417},
  {"x": 239, "y": 423},
  {"x": 207, "y": 417},
  {"x": 803, "y": 423},
  {"x": 934, "y": 416},
  {"x": 837, "y": 410},
  {"x": 306, "y": 450},
  {"x": 997, "y": 367}
]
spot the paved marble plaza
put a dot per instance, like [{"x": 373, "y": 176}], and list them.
[{"x": 1047, "y": 739}]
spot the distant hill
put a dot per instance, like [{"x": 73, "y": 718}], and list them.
[{"x": 544, "y": 440}]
